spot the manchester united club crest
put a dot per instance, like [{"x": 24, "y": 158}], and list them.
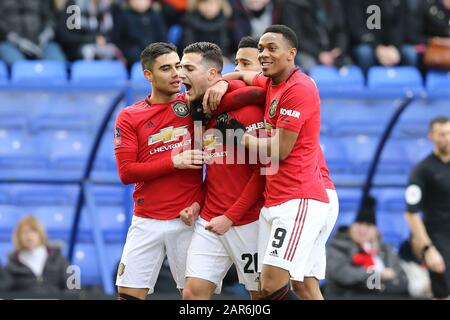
[
  {"x": 180, "y": 109},
  {"x": 121, "y": 269},
  {"x": 222, "y": 118},
  {"x": 273, "y": 108}
]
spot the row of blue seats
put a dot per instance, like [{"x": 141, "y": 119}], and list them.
[
  {"x": 338, "y": 118},
  {"x": 114, "y": 73},
  {"x": 70, "y": 149}
]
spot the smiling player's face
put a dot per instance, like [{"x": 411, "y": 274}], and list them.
[
  {"x": 194, "y": 76},
  {"x": 165, "y": 73},
  {"x": 276, "y": 55}
]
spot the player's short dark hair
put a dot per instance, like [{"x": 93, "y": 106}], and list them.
[
  {"x": 287, "y": 33},
  {"x": 248, "y": 42},
  {"x": 438, "y": 120},
  {"x": 153, "y": 51},
  {"x": 209, "y": 51}
]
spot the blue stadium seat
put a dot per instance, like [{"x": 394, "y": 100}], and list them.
[
  {"x": 174, "y": 34},
  {"x": 361, "y": 151},
  {"x": 43, "y": 195},
  {"x": 43, "y": 72},
  {"x": 99, "y": 73},
  {"x": 392, "y": 200},
  {"x": 345, "y": 218},
  {"x": 105, "y": 163},
  {"x": 349, "y": 199},
  {"x": 20, "y": 151},
  {"x": 68, "y": 150},
  {"x": 86, "y": 258},
  {"x": 9, "y": 215},
  {"x": 110, "y": 195},
  {"x": 349, "y": 78},
  {"x": 57, "y": 220},
  {"x": 6, "y": 247},
  {"x": 393, "y": 228},
  {"x": 335, "y": 154},
  {"x": 138, "y": 79},
  {"x": 418, "y": 149},
  {"x": 112, "y": 223},
  {"x": 3, "y": 72},
  {"x": 394, "y": 79},
  {"x": 394, "y": 158},
  {"x": 227, "y": 68},
  {"x": 438, "y": 82},
  {"x": 358, "y": 117},
  {"x": 415, "y": 119}
]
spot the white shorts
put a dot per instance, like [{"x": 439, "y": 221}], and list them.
[
  {"x": 210, "y": 256},
  {"x": 292, "y": 236},
  {"x": 148, "y": 242}
]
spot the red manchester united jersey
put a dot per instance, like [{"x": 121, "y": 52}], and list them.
[
  {"x": 294, "y": 104},
  {"x": 153, "y": 132},
  {"x": 234, "y": 185}
]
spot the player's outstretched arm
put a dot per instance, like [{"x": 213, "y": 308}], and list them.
[
  {"x": 276, "y": 147},
  {"x": 246, "y": 76},
  {"x": 131, "y": 171}
]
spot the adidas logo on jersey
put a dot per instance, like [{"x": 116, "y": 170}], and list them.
[{"x": 274, "y": 253}]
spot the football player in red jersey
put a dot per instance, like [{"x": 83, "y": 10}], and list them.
[
  {"x": 247, "y": 60},
  {"x": 153, "y": 140},
  {"x": 296, "y": 218},
  {"x": 227, "y": 229}
]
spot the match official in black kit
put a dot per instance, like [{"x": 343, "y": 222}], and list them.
[{"x": 428, "y": 192}]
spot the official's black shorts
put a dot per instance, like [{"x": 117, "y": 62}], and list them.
[{"x": 440, "y": 282}]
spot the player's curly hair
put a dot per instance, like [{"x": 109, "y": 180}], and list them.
[
  {"x": 153, "y": 51},
  {"x": 209, "y": 51}
]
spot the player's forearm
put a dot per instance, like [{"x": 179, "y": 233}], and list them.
[
  {"x": 249, "y": 196},
  {"x": 131, "y": 171},
  {"x": 241, "y": 97},
  {"x": 246, "y": 76},
  {"x": 263, "y": 146},
  {"x": 418, "y": 231}
]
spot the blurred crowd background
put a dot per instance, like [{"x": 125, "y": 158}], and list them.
[{"x": 331, "y": 32}]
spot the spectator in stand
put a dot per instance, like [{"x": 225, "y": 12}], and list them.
[
  {"x": 35, "y": 267},
  {"x": 360, "y": 264},
  {"x": 93, "y": 39},
  {"x": 136, "y": 27},
  {"x": 26, "y": 31},
  {"x": 429, "y": 20},
  {"x": 207, "y": 20},
  {"x": 252, "y": 17},
  {"x": 387, "y": 45},
  {"x": 173, "y": 10},
  {"x": 320, "y": 26}
]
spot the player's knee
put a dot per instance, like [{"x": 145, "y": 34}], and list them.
[
  {"x": 192, "y": 292},
  {"x": 268, "y": 288},
  {"x": 189, "y": 293},
  {"x": 299, "y": 289}
]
